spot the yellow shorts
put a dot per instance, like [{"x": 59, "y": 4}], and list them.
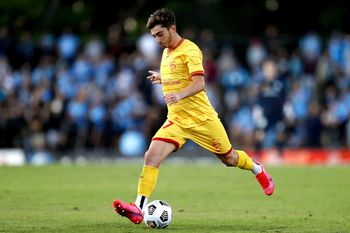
[{"x": 211, "y": 136}]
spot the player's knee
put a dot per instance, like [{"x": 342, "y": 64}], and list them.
[{"x": 151, "y": 159}]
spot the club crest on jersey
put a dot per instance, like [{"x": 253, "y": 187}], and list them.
[{"x": 172, "y": 66}]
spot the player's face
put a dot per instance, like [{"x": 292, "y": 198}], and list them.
[{"x": 162, "y": 35}]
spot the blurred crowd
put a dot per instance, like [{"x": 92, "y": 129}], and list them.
[{"x": 61, "y": 92}]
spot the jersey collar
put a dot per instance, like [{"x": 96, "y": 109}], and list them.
[{"x": 178, "y": 44}]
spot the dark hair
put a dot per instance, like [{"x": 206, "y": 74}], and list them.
[{"x": 164, "y": 17}]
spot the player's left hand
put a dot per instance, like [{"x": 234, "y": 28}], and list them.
[{"x": 172, "y": 98}]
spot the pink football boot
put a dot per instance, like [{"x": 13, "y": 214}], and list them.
[{"x": 131, "y": 211}]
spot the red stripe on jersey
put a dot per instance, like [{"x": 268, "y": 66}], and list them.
[{"x": 199, "y": 72}]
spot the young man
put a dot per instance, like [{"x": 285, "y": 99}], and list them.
[{"x": 190, "y": 115}]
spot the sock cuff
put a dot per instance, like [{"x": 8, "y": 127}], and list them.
[
  {"x": 241, "y": 158},
  {"x": 152, "y": 170},
  {"x": 150, "y": 167}
]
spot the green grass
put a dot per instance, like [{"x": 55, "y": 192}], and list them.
[{"x": 204, "y": 198}]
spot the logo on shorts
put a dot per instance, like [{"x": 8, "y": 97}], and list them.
[{"x": 216, "y": 144}]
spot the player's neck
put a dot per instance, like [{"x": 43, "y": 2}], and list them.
[{"x": 175, "y": 42}]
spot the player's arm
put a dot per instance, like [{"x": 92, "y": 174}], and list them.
[{"x": 196, "y": 86}]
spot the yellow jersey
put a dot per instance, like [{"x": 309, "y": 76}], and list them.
[{"x": 176, "y": 70}]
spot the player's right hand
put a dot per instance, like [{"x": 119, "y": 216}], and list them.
[{"x": 154, "y": 77}]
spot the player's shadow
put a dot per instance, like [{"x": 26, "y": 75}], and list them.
[
  {"x": 234, "y": 227},
  {"x": 127, "y": 227}
]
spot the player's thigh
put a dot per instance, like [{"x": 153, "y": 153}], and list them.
[
  {"x": 157, "y": 152},
  {"x": 167, "y": 139},
  {"x": 212, "y": 136}
]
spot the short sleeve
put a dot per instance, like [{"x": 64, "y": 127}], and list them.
[{"x": 194, "y": 60}]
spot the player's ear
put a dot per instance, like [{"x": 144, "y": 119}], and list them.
[{"x": 173, "y": 28}]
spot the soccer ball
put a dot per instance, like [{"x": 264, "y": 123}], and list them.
[{"x": 158, "y": 214}]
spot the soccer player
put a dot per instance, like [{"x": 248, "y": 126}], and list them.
[{"x": 190, "y": 115}]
